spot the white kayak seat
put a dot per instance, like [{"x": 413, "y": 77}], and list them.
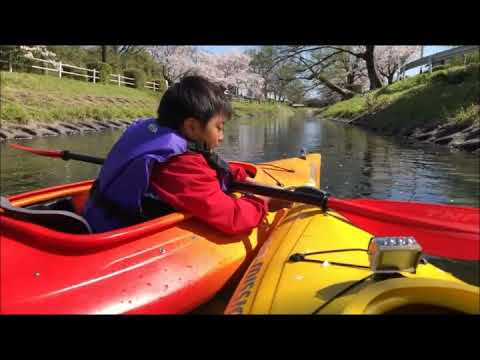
[{"x": 58, "y": 220}]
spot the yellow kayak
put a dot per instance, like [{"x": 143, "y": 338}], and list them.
[{"x": 319, "y": 263}]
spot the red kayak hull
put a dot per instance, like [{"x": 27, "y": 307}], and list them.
[{"x": 169, "y": 265}]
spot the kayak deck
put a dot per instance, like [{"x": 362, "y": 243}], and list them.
[{"x": 334, "y": 276}]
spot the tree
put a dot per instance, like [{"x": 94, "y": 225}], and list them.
[
  {"x": 104, "y": 53},
  {"x": 119, "y": 50},
  {"x": 352, "y": 72},
  {"x": 390, "y": 58},
  {"x": 369, "y": 57},
  {"x": 176, "y": 61},
  {"x": 233, "y": 70},
  {"x": 22, "y": 57},
  {"x": 295, "y": 91},
  {"x": 74, "y": 55},
  {"x": 128, "y": 49},
  {"x": 316, "y": 65},
  {"x": 319, "y": 64},
  {"x": 263, "y": 64},
  {"x": 313, "y": 65},
  {"x": 283, "y": 80},
  {"x": 277, "y": 76}
]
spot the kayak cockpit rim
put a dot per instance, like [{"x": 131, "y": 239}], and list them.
[{"x": 40, "y": 235}]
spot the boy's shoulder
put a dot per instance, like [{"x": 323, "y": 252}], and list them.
[
  {"x": 190, "y": 156},
  {"x": 190, "y": 159},
  {"x": 186, "y": 165}
]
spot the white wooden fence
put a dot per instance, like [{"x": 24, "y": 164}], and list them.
[{"x": 61, "y": 69}]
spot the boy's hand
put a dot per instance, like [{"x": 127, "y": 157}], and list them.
[
  {"x": 277, "y": 204},
  {"x": 272, "y": 203}
]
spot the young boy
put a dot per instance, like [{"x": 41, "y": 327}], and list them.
[{"x": 166, "y": 164}]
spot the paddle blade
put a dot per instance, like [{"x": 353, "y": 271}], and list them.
[
  {"x": 442, "y": 230},
  {"x": 50, "y": 153}
]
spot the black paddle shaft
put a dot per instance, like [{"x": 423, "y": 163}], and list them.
[
  {"x": 303, "y": 194},
  {"x": 67, "y": 155}
]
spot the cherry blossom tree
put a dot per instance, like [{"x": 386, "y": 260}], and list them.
[
  {"x": 390, "y": 58},
  {"x": 23, "y": 55},
  {"x": 177, "y": 61},
  {"x": 231, "y": 70},
  {"x": 234, "y": 71},
  {"x": 37, "y": 51}
]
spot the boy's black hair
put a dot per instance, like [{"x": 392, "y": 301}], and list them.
[{"x": 193, "y": 96}]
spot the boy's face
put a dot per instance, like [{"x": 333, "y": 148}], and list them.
[{"x": 211, "y": 134}]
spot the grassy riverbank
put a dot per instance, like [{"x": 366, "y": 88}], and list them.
[
  {"x": 26, "y": 98},
  {"x": 242, "y": 110},
  {"x": 447, "y": 95}
]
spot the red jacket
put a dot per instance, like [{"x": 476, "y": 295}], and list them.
[{"x": 188, "y": 183}]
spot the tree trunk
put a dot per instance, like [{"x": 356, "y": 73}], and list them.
[
  {"x": 345, "y": 93},
  {"x": 166, "y": 77},
  {"x": 390, "y": 78},
  {"x": 104, "y": 53},
  {"x": 369, "y": 58},
  {"x": 350, "y": 80}
]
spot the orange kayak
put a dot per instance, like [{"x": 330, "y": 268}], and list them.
[{"x": 169, "y": 265}]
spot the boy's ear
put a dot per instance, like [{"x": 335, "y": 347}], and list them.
[{"x": 189, "y": 126}]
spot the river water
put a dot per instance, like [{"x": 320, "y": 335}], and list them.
[{"x": 355, "y": 163}]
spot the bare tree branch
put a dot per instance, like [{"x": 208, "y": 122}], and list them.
[{"x": 360, "y": 55}]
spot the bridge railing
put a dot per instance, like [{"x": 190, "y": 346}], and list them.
[{"x": 433, "y": 59}]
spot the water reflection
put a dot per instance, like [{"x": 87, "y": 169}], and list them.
[
  {"x": 354, "y": 163},
  {"x": 358, "y": 164}
]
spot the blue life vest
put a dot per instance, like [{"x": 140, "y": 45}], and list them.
[{"x": 118, "y": 194}]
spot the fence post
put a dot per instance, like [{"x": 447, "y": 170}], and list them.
[
  {"x": 118, "y": 76},
  {"x": 60, "y": 69},
  {"x": 94, "y": 75},
  {"x": 10, "y": 68}
]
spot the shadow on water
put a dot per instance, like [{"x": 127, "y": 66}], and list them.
[{"x": 355, "y": 163}]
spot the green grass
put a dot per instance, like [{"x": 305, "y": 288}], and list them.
[
  {"x": 451, "y": 94},
  {"x": 245, "y": 110},
  {"x": 32, "y": 97},
  {"x": 28, "y": 98}
]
